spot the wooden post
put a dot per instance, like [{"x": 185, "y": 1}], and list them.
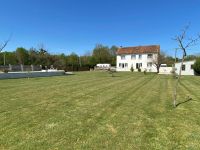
[
  {"x": 22, "y": 67},
  {"x": 10, "y": 67},
  {"x": 32, "y": 68}
]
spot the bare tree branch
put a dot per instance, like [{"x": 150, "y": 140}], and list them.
[
  {"x": 2, "y": 46},
  {"x": 5, "y": 43},
  {"x": 159, "y": 59},
  {"x": 183, "y": 44}
]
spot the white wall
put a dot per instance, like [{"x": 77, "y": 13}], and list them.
[
  {"x": 104, "y": 65},
  {"x": 132, "y": 62},
  {"x": 188, "y": 70},
  {"x": 165, "y": 70}
]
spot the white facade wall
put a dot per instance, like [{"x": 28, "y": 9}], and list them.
[
  {"x": 130, "y": 61},
  {"x": 188, "y": 68}
]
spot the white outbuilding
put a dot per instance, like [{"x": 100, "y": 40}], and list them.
[
  {"x": 187, "y": 68},
  {"x": 105, "y": 66}
]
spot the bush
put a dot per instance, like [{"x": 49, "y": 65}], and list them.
[
  {"x": 196, "y": 67},
  {"x": 5, "y": 70},
  {"x": 145, "y": 71},
  {"x": 139, "y": 70},
  {"x": 132, "y": 69}
]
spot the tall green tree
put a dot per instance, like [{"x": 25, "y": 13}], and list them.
[
  {"x": 22, "y": 56},
  {"x": 102, "y": 54},
  {"x": 73, "y": 60},
  {"x": 113, "y": 51},
  {"x": 10, "y": 58},
  {"x": 34, "y": 56}
]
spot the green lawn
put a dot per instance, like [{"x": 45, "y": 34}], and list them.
[{"x": 93, "y": 110}]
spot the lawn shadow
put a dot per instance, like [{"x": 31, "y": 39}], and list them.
[{"x": 188, "y": 100}]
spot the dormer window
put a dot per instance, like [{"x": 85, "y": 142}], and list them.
[
  {"x": 140, "y": 56},
  {"x": 123, "y": 57},
  {"x": 150, "y": 56},
  {"x": 133, "y": 56}
]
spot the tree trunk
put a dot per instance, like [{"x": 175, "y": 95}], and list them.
[
  {"x": 158, "y": 69},
  {"x": 177, "y": 82}
]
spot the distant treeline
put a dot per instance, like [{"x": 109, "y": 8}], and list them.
[{"x": 72, "y": 62}]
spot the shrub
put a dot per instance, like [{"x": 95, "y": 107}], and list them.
[
  {"x": 145, "y": 71},
  {"x": 5, "y": 70},
  {"x": 132, "y": 69},
  {"x": 196, "y": 67},
  {"x": 139, "y": 70}
]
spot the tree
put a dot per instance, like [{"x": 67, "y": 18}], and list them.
[
  {"x": 101, "y": 54},
  {"x": 22, "y": 55},
  {"x": 11, "y": 58},
  {"x": 33, "y": 56},
  {"x": 58, "y": 61},
  {"x": 183, "y": 44},
  {"x": 196, "y": 66},
  {"x": 169, "y": 60},
  {"x": 43, "y": 56},
  {"x": 113, "y": 51},
  {"x": 73, "y": 60},
  {"x": 190, "y": 57},
  {"x": 159, "y": 59}
]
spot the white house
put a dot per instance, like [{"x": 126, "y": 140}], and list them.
[
  {"x": 142, "y": 57},
  {"x": 187, "y": 68}
]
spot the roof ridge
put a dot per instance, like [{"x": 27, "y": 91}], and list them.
[
  {"x": 139, "y": 49},
  {"x": 140, "y": 46}
]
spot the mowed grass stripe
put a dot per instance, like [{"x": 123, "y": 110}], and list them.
[
  {"x": 76, "y": 97},
  {"x": 185, "y": 137},
  {"x": 112, "y": 109},
  {"x": 71, "y": 116},
  {"x": 66, "y": 91}
]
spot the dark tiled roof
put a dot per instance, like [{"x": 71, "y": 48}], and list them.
[{"x": 139, "y": 49}]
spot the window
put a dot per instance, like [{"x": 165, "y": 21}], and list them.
[
  {"x": 138, "y": 65},
  {"x": 150, "y": 56},
  {"x": 183, "y": 68},
  {"x": 123, "y": 65},
  {"x": 140, "y": 56},
  {"x": 133, "y": 56},
  {"x": 192, "y": 66},
  {"x": 149, "y": 64},
  {"x": 123, "y": 57}
]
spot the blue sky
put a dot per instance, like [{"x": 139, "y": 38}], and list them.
[{"x": 66, "y": 26}]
